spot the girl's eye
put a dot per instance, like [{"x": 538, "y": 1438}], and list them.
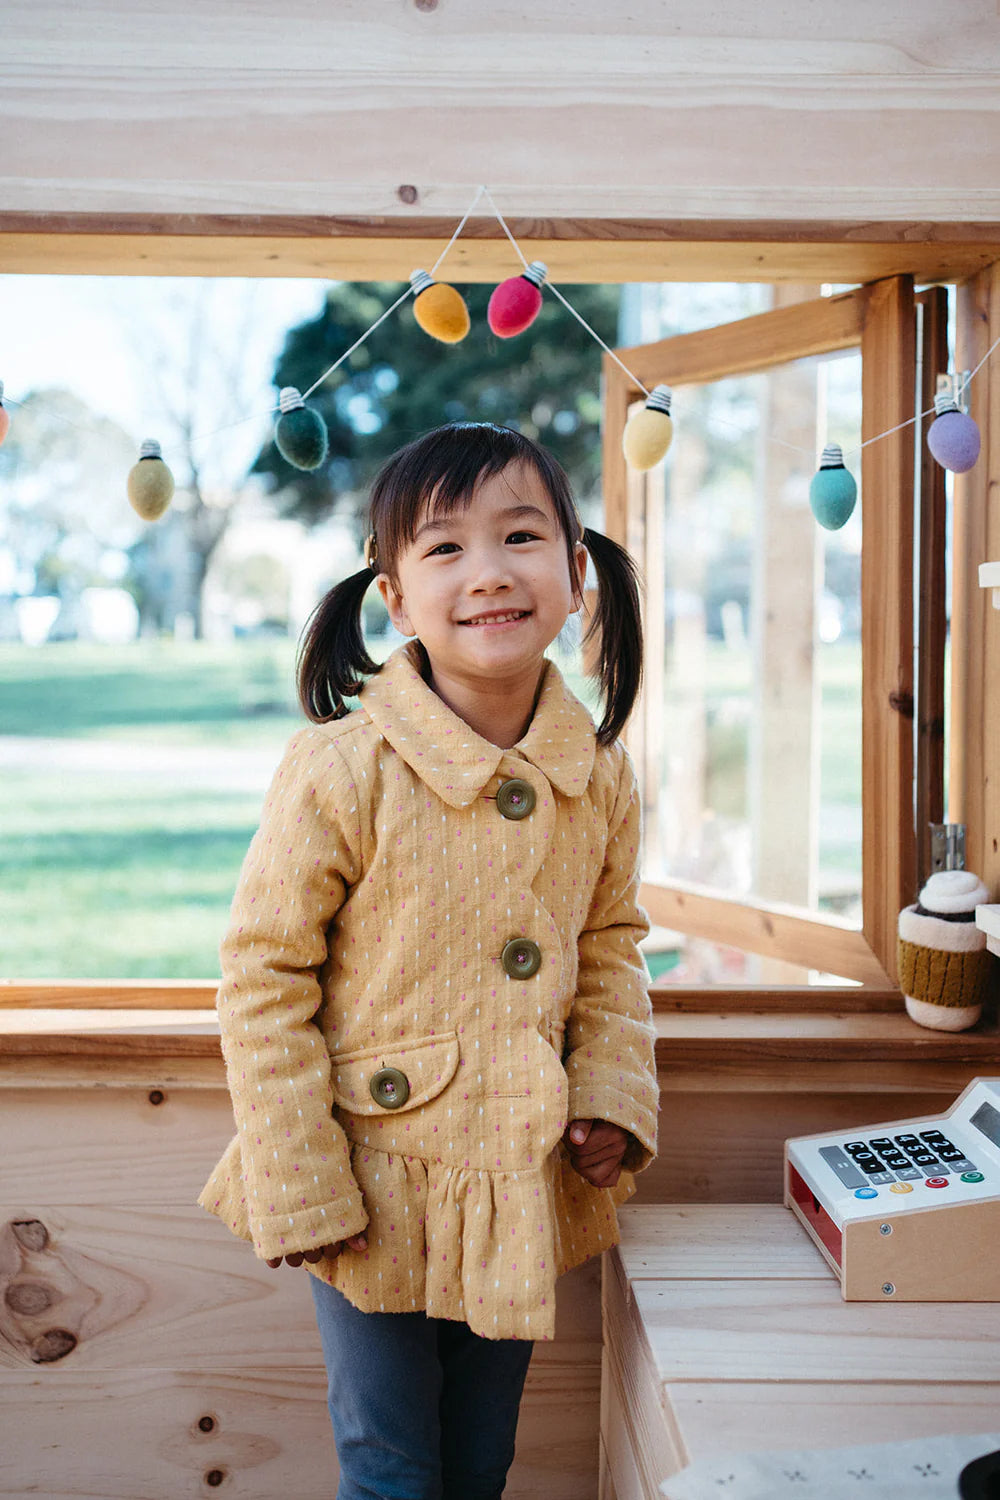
[
  {"x": 442, "y": 549},
  {"x": 522, "y": 536}
]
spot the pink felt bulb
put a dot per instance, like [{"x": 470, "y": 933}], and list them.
[
  {"x": 953, "y": 437},
  {"x": 4, "y": 418},
  {"x": 516, "y": 302}
]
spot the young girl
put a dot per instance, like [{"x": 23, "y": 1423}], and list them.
[{"x": 433, "y": 1007}]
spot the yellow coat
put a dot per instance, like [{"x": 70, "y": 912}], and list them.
[{"x": 366, "y": 933}]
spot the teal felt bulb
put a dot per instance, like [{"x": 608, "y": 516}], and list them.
[
  {"x": 833, "y": 492},
  {"x": 300, "y": 434}
]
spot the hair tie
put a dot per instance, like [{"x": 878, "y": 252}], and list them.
[{"x": 371, "y": 551}]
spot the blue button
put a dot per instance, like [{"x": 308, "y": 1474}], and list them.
[{"x": 866, "y": 1192}]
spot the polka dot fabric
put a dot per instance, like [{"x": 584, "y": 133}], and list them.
[{"x": 366, "y": 933}]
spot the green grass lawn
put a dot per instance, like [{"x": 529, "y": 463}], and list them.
[{"x": 129, "y": 872}]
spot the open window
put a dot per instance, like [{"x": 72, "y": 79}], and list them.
[{"x": 774, "y": 740}]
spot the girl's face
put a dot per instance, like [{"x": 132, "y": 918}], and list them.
[{"x": 487, "y": 589}]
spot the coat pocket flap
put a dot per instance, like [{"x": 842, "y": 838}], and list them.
[{"x": 428, "y": 1064}]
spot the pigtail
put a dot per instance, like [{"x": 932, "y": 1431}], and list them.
[
  {"x": 332, "y": 659},
  {"x": 617, "y": 624}
]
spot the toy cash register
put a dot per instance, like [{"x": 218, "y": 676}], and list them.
[{"x": 908, "y": 1210}]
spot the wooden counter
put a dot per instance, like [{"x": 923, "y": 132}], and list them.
[{"x": 724, "y": 1331}]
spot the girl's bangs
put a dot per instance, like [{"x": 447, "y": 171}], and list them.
[{"x": 439, "y": 474}]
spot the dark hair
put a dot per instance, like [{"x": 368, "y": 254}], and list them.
[{"x": 444, "y": 467}]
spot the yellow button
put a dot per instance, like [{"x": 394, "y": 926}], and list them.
[
  {"x": 516, "y": 798},
  {"x": 901, "y": 1187},
  {"x": 521, "y": 958},
  {"x": 389, "y": 1087}
]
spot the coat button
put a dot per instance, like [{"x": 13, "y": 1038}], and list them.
[
  {"x": 516, "y": 798},
  {"x": 390, "y": 1088},
  {"x": 521, "y": 958}
]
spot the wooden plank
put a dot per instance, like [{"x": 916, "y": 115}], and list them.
[
  {"x": 825, "y": 1079},
  {"x": 676, "y": 1242},
  {"x": 746, "y": 1417},
  {"x": 931, "y": 591},
  {"x": 733, "y": 1137},
  {"x": 109, "y": 994},
  {"x": 829, "y": 943},
  {"x": 168, "y": 1289},
  {"x": 888, "y": 386},
  {"x": 762, "y": 997},
  {"x": 760, "y": 342},
  {"x": 778, "y": 1329},
  {"x": 574, "y": 249},
  {"x": 974, "y": 785}
]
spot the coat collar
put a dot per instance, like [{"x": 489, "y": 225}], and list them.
[{"x": 457, "y": 763}]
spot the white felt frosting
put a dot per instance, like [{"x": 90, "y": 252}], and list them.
[{"x": 953, "y": 890}]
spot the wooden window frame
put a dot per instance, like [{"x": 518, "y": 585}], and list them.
[
  {"x": 880, "y": 320},
  {"x": 613, "y": 250}
]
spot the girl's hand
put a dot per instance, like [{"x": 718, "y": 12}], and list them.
[
  {"x": 354, "y": 1242},
  {"x": 596, "y": 1148}
]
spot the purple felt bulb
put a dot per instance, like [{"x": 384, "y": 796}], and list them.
[{"x": 953, "y": 437}]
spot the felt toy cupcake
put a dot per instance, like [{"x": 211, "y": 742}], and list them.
[{"x": 943, "y": 961}]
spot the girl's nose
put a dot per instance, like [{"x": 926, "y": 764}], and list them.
[{"x": 489, "y": 573}]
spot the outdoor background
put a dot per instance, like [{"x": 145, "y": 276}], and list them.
[{"x": 146, "y": 672}]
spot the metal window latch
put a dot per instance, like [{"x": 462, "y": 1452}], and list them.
[{"x": 947, "y": 846}]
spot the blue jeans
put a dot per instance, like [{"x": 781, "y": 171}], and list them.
[{"x": 422, "y": 1408}]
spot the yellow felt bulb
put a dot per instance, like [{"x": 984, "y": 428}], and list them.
[
  {"x": 648, "y": 432},
  {"x": 150, "y": 483},
  {"x": 439, "y": 309}
]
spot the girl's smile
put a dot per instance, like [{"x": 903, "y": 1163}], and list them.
[{"x": 486, "y": 589}]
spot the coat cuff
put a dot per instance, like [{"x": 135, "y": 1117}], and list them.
[
  {"x": 310, "y": 1228},
  {"x": 595, "y": 1100}
]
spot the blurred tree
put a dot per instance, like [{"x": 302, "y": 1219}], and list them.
[
  {"x": 400, "y": 383},
  {"x": 65, "y": 520}
]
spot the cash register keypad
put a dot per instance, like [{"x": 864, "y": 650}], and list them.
[{"x": 883, "y": 1159}]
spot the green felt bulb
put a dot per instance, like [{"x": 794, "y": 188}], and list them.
[
  {"x": 833, "y": 492},
  {"x": 300, "y": 433}
]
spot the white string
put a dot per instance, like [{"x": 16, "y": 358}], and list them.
[
  {"x": 557, "y": 293},
  {"x": 480, "y": 192}
]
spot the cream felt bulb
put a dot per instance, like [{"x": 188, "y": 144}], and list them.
[
  {"x": 649, "y": 431},
  {"x": 439, "y": 309},
  {"x": 150, "y": 483}
]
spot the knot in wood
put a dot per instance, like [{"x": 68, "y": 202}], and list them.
[
  {"x": 30, "y": 1233},
  {"x": 156, "y": 1096},
  {"x": 902, "y": 703},
  {"x": 53, "y": 1345},
  {"x": 29, "y": 1297},
  {"x": 214, "y": 1477},
  {"x": 407, "y": 193}
]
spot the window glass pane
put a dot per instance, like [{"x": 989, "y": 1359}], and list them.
[{"x": 750, "y": 735}]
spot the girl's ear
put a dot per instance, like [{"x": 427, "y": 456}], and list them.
[
  {"x": 394, "y": 604},
  {"x": 580, "y": 559}
]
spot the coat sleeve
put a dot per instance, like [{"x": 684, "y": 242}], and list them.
[
  {"x": 609, "y": 1056},
  {"x": 300, "y": 1191}
]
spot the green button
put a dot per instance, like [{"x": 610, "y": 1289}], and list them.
[
  {"x": 521, "y": 958},
  {"x": 390, "y": 1088},
  {"x": 972, "y": 1177},
  {"x": 516, "y": 798}
]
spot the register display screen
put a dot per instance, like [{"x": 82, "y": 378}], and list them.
[{"x": 987, "y": 1120}]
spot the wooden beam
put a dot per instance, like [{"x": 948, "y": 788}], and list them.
[
  {"x": 888, "y": 363},
  {"x": 749, "y": 344},
  {"x": 762, "y": 927},
  {"x": 575, "y": 249},
  {"x": 974, "y": 789},
  {"x": 932, "y": 624}
]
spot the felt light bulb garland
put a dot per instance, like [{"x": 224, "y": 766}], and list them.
[
  {"x": 439, "y": 309},
  {"x": 300, "y": 434},
  {"x": 150, "y": 483},
  {"x": 516, "y": 302},
  {"x": 4, "y": 416},
  {"x": 833, "y": 492},
  {"x": 953, "y": 437},
  {"x": 649, "y": 431}
]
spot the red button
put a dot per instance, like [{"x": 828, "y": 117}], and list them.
[{"x": 937, "y": 1182}]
